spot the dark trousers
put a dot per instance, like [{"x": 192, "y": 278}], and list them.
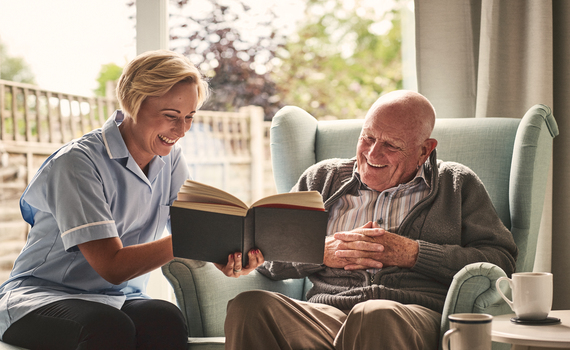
[{"x": 79, "y": 324}]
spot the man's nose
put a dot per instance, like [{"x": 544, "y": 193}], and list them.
[{"x": 377, "y": 149}]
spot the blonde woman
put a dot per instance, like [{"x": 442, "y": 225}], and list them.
[{"x": 97, "y": 208}]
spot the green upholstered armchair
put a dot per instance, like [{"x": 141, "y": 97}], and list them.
[{"x": 511, "y": 156}]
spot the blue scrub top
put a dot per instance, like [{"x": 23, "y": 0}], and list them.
[{"x": 89, "y": 189}]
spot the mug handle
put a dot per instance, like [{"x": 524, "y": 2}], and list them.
[
  {"x": 446, "y": 338},
  {"x": 497, "y": 284}
]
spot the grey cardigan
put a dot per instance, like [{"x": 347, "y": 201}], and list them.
[{"x": 455, "y": 225}]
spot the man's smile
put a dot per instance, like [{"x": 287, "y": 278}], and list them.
[{"x": 375, "y": 165}]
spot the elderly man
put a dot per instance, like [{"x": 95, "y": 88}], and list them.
[{"x": 401, "y": 224}]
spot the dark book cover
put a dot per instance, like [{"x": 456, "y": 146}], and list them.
[{"x": 282, "y": 234}]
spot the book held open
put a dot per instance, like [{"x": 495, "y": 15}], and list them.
[{"x": 209, "y": 224}]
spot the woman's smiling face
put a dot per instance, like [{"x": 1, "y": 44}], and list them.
[{"x": 160, "y": 123}]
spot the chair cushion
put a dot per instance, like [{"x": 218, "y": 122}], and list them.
[{"x": 202, "y": 293}]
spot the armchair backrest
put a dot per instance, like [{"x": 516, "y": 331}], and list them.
[{"x": 511, "y": 156}]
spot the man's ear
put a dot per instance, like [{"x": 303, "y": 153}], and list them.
[{"x": 428, "y": 146}]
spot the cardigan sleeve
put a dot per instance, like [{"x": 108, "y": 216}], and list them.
[{"x": 461, "y": 227}]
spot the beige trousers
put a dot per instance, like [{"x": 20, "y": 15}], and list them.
[{"x": 266, "y": 320}]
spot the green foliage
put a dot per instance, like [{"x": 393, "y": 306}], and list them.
[
  {"x": 109, "y": 72},
  {"x": 14, "y": 68},
  {"x": 236, "y": 63},
  {"x": 336, "y": 65}
]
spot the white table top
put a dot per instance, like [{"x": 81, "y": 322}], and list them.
[{"x": 554, "y": 336}]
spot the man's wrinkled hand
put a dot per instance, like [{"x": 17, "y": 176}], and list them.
[
  {"x": 397, "y": 250},
  {"x": 362, "y": 245}
]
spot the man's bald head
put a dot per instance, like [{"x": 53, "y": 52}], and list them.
[{"x": 394, "y": 141}]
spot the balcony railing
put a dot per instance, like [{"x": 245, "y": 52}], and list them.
[{"x": 40, "y": 117}]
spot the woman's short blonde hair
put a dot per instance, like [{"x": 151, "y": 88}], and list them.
[{"x": 154, "y": 73}]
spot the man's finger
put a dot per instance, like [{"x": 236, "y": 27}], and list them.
[
  {"x": 352, "y": 236},
  {"x": 353, "y": 254},
  {"x": 374, "y": 232},
  {"x": 364, "y": 246},
  {"x": 363, "y": 263}
]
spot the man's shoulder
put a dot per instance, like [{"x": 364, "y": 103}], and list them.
[
  {"x": 457, "y": 174},
  {"x": 454, "y": 168},
  {"x": 334, "y": 165},
  {"x": 328, "y": 171}
]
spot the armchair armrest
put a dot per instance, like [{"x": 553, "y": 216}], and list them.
[
  {"x": 473, "y": 290},
  {"x": 202, "y": 293}
]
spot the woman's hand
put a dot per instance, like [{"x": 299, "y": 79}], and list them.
[{"x": 234, "y": 269}]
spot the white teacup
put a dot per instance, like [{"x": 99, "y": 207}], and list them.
[
  {"x": 532, "y": 294},
  {"x": 468, "y": 332}
]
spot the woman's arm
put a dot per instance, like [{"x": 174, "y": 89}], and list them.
[{"x": 117, "y": 264}]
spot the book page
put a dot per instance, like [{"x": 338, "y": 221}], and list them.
[
  {"x": 192, "y": 191},
  {"x": 212, "y": 207},
  {"x": 307, "y": 199}
]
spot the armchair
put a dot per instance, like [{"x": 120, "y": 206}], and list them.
[{"x": 511, "y": 156}]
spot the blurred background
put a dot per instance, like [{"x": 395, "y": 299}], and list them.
[{"x": 331, "y": 57}]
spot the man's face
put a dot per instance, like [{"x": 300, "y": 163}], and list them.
[{"x": 390, "y": 149}]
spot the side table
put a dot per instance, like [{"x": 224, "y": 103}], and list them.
[{"x": 524, "y": 336}]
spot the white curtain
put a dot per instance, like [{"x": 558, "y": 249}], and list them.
[{"x": 497, "y": 58}]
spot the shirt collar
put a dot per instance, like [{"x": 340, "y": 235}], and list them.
[
  {"x": 421, "y": 175},
  {"x": 117, "y": 149},
  {"x": 112, "y": 138}
]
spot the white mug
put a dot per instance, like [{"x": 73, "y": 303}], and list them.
[
  {"x": 532, "y": 294},
  {"x": 468, "y": 332}
]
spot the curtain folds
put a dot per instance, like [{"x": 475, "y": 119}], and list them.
[{"x": 497, "y": 58}]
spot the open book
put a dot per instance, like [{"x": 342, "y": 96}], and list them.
[{"x": 209, "y": 224}]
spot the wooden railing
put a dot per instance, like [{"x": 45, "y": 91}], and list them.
[{"x": 32, "y": 114}]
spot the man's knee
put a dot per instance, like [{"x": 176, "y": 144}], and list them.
[
  {"x": 377, "y": 311},
  {"x": 250, "y": 302},
  {"x": 396, "y": 325}
]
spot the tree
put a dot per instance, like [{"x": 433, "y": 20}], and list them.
[
  {"x": 109, "y": 72},
  {"x": 338, "y": 63},
  {"x": 237, "y": 67},
  {"x": 14, "y": 68}
]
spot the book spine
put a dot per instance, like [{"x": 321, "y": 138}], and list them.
[{"x": 248, "y": 236}]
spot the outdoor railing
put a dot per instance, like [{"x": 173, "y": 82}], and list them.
[{"x": 39, "y": 116}]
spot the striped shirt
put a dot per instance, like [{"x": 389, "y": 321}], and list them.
[{"x": 387, "y": 208}]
